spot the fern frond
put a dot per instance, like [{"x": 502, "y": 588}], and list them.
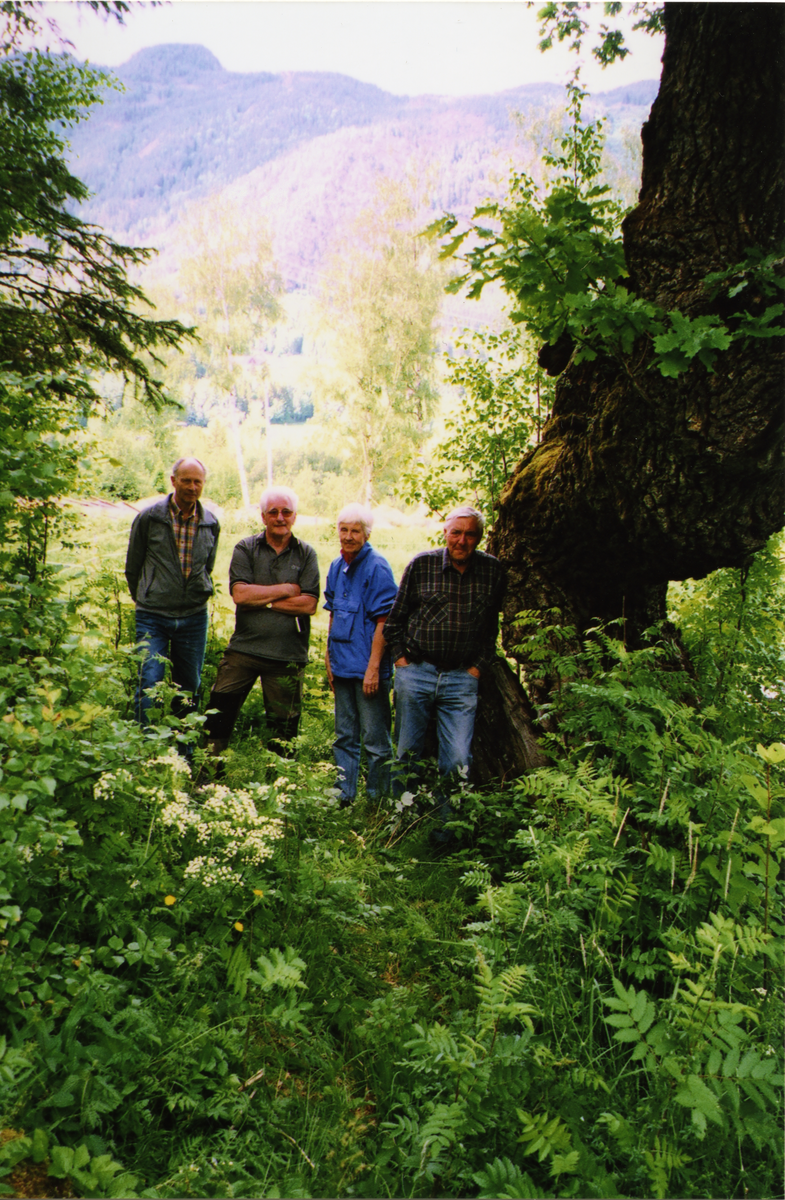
[
  {"x": 502, "y": 1180},
  {"x": 283, "y": 969},
  {"x": 238, "y": 970},
  {"x": 544, "y": 1135},
  {"x": 512, "y": 980}
]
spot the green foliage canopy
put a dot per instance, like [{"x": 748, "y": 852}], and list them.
[
  {"x": 230, "y": 282},
  {"x": 66, "y": 303},
  {"x": 569, "y": 20},
  {"x": 559, "y": 254}
]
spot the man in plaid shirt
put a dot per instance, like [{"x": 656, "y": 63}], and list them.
[
  {"x": 442, "y": 634},
  {"x": 171, "y": 555}
]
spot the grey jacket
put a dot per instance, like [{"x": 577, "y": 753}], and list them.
[{"x": 152, "y": 565}]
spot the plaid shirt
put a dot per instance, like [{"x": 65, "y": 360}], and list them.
[
  {"x": 184, "y": 534},
  {"x": 444, "y": 616}
]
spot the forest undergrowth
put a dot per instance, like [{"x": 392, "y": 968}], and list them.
[{"x": 235, "y": 988}]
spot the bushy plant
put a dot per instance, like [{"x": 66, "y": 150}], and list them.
[
  {"x": 558, "y": 252},
  {"x": 505, "y": 399},
  {"x": 634, "y": 881},
  {"x": 237, "y": 988},
  {"x": 733, "y": 624}
]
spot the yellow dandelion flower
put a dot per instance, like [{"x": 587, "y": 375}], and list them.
[
  {"x": 238, "y": 926},
  {"x": 170, "y": 900},
  {"x": 258, "y": 892}
]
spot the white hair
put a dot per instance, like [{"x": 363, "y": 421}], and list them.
[
  {"x": 279, "y": 493},
  {"x": 190, "y": 458},
  {"x": 351, "y": 513},
  {"x": 465, "y": 510}
]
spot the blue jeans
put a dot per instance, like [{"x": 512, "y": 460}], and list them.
[
  {"x": 420, "y": 689},
  {"x": 358, "y": 716},
  {"x": 182, "y": 640}
]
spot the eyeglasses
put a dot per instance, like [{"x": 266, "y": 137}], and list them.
[{"x": 284, "y": 512}]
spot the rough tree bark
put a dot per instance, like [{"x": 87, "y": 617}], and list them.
[
  {"x": 640, "y": 479},
  {"x": 505, "y": 742}
]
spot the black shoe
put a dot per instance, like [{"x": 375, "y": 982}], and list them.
[{"x": 346, "y": 802}]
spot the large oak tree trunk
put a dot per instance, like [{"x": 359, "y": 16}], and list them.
[{"x": 641, "y": 479}]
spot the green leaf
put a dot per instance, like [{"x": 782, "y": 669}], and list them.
[
  {"x": 441, "y": 226},
  {"x": 755, "y": 788},
  {"x": 755, "y": 1093},
  {"x": 648, "y": 1017},
  {"x": 61, "y": 1162},
  {"x": 565, "y": 1164},
  {"x": 775, "y": 753},
  {"x": 696, "y": 1095},
  {"x": 731, "y": 1063},
  {"x": 40, "y": 1145},
  {"x": 699, "y": 1121},
  {"x": 627, "y": 1035},
  {"x": 448, "y": 250},
  {"x": 639, "y": 1007},
  {"x": 81, "y": 1157},
  {"x": 750, "y": 1059},
  {"x": 628, "y": 998},
  {"x": 12, "y": 1152}
]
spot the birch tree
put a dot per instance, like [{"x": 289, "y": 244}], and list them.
[
  {"x": 229, "y": 278},
  {"x": 379, "y": 303}
]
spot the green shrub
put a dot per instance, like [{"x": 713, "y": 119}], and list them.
[{"x": 238, "y": 988}]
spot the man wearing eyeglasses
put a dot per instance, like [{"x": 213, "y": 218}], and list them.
[
  {"x": 442, "y": 634},
  {"x": 274, "y": 583}
]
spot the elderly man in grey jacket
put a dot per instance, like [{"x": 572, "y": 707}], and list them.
[{"x": 171, "y": 555}]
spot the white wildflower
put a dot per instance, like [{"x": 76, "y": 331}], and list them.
[
  {"x": 110, "y": 782},
  {"x": 174, "y": 761},
  {"x": 226, "y": 821}
]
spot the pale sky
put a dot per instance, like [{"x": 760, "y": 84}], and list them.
[{"x": 409, "y": 47}]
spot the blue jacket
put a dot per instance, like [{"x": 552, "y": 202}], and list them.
[{"x": 357, "y": 594}]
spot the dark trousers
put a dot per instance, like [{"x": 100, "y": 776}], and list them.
[{"x": 282, "y": 688}]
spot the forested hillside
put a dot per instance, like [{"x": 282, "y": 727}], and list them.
[{"x": 308, "y": 148}]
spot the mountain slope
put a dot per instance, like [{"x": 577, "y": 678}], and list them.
[{"x": 307, "y": 145}]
